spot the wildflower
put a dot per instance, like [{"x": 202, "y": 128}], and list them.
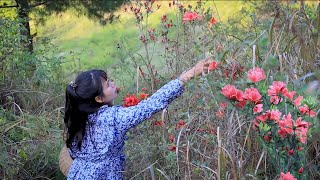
[
  {"x": 130, "y": 100},
  {"x": 212, "y": 21},
  {"x": 290, "y": 152},
  {"x": 300, "y": 171},
  {"x": 289, "y": 95},
  {"x": 276, "y": 88},
  {"x": 190, "y": 16},
  {"x": 172, "y": 148},
  {"x": 171, "y": 138},
  {"x": 285, "y": 126},
  {"x": 256, "y": 74},
  {"x": 143, "y": 96},
  {"x": 252, "y": 95},
  {"x": 258, "y": 108},
  {"x": 298, "y": 100},
  {"x": 287, "y": 176},
  {"x": 274, "y": 115},
  {"x": 180, "y": 124},
  {"x": 213, "y": 65},
  {"x": 158, "y": 123}
]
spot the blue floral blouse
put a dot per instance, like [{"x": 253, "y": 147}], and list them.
[{"x": 101, "y": 155}]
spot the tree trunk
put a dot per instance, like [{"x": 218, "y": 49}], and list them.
[{"x": 23, "y": 13}]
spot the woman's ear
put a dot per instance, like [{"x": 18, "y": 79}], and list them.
[{"x": 99, "y": 99}]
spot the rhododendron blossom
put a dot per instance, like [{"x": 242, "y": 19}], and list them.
[
  {"x": 190, "y": 16},
  {"x": 252, "y": 95},
  {"x": 256, "y": 74},
  {"x": 285, "y": 126},
  {"x": 180, "y": 124},
  {"x": 277, "y": 88},
  {"x": 298, "y": 100},
  {"x": 231, "y": 92},
  {"x": 274, "y": 115},
  {"x": 130, "y": 100},
  {"x": 287, "y": 176},
  {"x": 258, "y": 108}
]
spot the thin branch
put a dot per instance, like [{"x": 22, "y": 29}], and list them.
[{"x": 11, "y": 6}]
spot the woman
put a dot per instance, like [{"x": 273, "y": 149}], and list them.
[{"x": 96, "y": 129}]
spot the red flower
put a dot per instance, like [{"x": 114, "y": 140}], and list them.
[
  {"x": 130, "y": 100},
  {"x": 212, "y": 21},
  {"x": 180, "y": 124},
  {"x": 220, "y": 114},
  {"x": 267, "y": 137},
  {"x": 171, "y": 138},
  {"x": 287, "y": 176},
  {"x": 143, "y": 96},
  {"x": 290, "y": 152},
  {"x": 158, "y": 123},
  {"x": 263, "y": 117},
  {"x": 172, "y": 148},
  {"x": 144, "y": 89},
  {"x": 256, "y": 74},
  {"x": 252, "y": 95},
  {"x": 258, "y": 108},
  {"x": 190, "y": 16},
  {"x": 213, "y": 65},
  {"x": 300, "y": 148},
  {"x": 300, "y": 170}
]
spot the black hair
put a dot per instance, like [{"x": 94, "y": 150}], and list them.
[{"x": 80, "y": 102}]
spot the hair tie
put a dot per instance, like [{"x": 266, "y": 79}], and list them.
[{"x": 73, "y": 85}]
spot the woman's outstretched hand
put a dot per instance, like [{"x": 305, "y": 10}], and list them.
[{"x": 200, "y": 68}]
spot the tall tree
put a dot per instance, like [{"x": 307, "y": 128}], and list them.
[{"x": 101, "y": 10}]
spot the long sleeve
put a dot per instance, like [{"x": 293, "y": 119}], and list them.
[{"x": 129, "y": 117}]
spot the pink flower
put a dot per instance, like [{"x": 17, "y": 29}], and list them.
[
  {"x": 275, "y": 99},
  {"x": 301, "y": 129},
  {"x": 276, "y": 88},
  {"x": 263, "y": 117},
  {"x": 241, "y": 104},
  {"x": 305, "y": 110},
  {"x": 256, "y": 74},
  {"x": 289, "y": 95},
  {"x": 252, "y": 95},
  {"x": 287, "y": 176},
  {"x": 190, "y": 16},
  {"x": 298, "y": 100},
  {"x": 231, "y": 92},
  {"x": 258, "y": 108},
  {"x": 274, "y": 115},
  {"x": 285, "y": 126}
]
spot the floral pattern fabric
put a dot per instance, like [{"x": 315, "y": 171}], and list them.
[{"x": 102, "y": 150}]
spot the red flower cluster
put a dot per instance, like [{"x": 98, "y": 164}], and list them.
[{"x": 132, "y": 100}]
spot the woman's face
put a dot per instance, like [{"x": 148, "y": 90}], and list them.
[{"x": 110, "y": 91}]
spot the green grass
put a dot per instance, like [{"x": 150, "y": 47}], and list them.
[{"x": 95, "y": 45}]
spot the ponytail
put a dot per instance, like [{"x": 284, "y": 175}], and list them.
[{"x": 80, "y": 102}]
